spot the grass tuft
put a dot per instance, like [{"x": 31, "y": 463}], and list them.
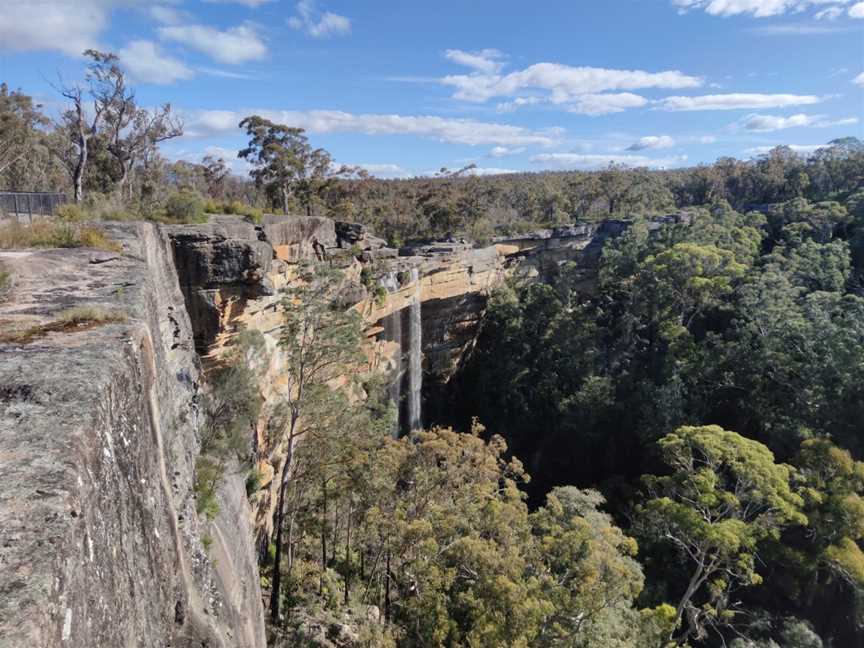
[
  {"x": 55, "y": 234},
  {"x": 79, "y": 318}
]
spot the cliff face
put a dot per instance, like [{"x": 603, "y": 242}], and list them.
[
  {"x": 424, "y": 318},
  {"x": 100, "y": 544}
]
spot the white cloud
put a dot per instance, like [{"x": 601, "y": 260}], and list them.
[
  {"x": 604, "y": 104},
  {"x": 652, "y": 142},
  {"x": 859, "y": 80},
  {"x": 246, "y": 3},
  {"x": 563, "y": 82},
  {"x": 756, "y": 8},
  {"x": 736, "y": 101},
  {"x": 455, "y": 131},
  {"x": 227, "y": 74},
  {"x": 487, "y": 171},
  {"x": 770, "y": 123},
  {"x": 386, "y": 170},
  {"x": 487, "y": 61},
  {"x": 316, "y": 24},
  {"x": 167, "y": 15},
  {"x": 68, "y": 26},
  {"x": 857, "y": 10},
  {"x": 802, "y": 149},
  {"x": 599, "y": 161},
  {"x": 503, "y": 151},
  {"x": 798, "y": 30},
  {"x": 236, "y": 45},
  {"x": 519, "y": 102},
  {"x": 831, "y": 13},
  {"x": 145, "y": 63}
]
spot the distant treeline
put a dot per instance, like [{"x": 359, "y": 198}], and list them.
[{"x": 104, "y": 147}]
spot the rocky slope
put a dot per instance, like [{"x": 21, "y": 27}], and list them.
[{"x": 100, "y": 544}]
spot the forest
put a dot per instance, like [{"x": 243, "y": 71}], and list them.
[{"x": 672, "y": 456}]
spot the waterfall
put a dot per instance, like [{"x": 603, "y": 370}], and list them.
[
  {"x": 415, "y": 357},
  {"x": 393, "y": 333},
  {"x": 406, "y": 330}
]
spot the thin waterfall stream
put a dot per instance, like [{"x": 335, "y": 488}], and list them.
[
  {"x": 406, "y": 387},
  {"x": 415, "y": 356}
]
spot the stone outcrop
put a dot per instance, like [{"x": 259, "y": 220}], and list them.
[{"x": 100, "y": 543}]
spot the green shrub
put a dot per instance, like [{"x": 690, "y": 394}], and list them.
[
  {"x": 238, "y": 208},
  {"x": 380, "y": 295},
  {"x": 255, "y": 213},
  {"x": 109, "y": 207},
  {"x": 253, "y": 482},
  {"x": 234, "y": 207},
  {"x": 208, "y": 474},
  {"x": 5, "y": 283},
  {"x": 70, "y": 212},
  {"x": 54, "y": 234},
  {"x": 91, "y": 237},
  {"x": 207, "y": 542},
  {"x": 185, "y": 207}
]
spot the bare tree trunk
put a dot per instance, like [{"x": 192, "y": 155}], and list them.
[
  {"x": 280, "y": 519},
  {"x": 80, "y": 165},
  {"x": 323, "y": 537},
  {"x": 699, "y": 576},
  {"x": 387, "y": 588},
  {"x": 348, "y": 557}
]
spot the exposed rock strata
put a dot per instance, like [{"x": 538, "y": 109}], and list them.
[{"x": 99, "y": 538}]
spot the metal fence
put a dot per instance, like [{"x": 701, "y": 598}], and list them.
[{"x": 25, "y": 205}]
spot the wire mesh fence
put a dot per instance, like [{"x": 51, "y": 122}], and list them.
[{"x": 27, "y": 205}]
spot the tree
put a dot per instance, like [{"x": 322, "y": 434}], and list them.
[
  {"x": 284, "y": 163},
  {"x": 589, "y": 572},
  {"x": 725, "y": 495},
  {"x": 131, "y": 132},
  {"x": 20, "y": 120},
  {"x": 81, "y": 122},
  {"x": 453, "y": 537},
  {"x": 215, "y": 171},
  {"x": 230, "y": 409},
  {"x": 320, "y": 341},
  {"x": 834, "y": 496}
]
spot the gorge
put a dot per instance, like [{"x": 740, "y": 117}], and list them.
[{"x": 99, "y": 422}]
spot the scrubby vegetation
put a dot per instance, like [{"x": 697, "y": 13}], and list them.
[
  {"x": 55, "y": 234},
  {"x": 230, "y": 412}
]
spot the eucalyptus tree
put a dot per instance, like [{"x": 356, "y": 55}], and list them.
[
  {"x": 724, "y": 495},
  {"x": 285, "y": 165},
  {"x": 319, "y": 342}
]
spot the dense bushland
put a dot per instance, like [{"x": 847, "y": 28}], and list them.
[{"x": 747, "y": 321}]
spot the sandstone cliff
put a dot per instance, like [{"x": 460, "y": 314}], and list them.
[{"x": 100, "y": 544}]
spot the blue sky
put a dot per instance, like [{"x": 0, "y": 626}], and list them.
[{"x": 405, "y": 88}]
